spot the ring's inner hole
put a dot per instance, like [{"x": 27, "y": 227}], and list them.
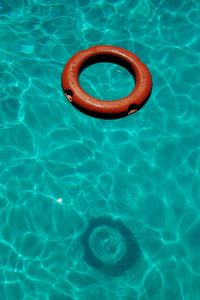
[{"x": 106, "y": 77}]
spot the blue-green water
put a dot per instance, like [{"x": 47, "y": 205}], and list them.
[{"x": 97, "y": 209}]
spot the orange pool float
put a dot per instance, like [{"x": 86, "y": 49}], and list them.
[{"x": 101, "y": 108}]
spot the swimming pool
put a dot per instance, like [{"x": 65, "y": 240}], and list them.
[{"x": 77, "y": 193}]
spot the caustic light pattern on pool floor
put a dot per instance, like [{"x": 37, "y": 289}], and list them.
[{"x": 96, "y": 209}]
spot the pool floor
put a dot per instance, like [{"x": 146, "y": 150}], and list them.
[{"x": 97, "y": 209}]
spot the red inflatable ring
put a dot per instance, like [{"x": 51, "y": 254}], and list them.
[{"x": 99, "y": 108}]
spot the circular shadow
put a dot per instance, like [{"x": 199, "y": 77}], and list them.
[{"x": 109, "y": 246}]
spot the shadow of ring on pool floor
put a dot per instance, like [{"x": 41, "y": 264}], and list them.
[{"x": 109, "y": 246}]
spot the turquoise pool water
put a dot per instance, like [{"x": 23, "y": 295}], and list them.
[{"x": 97, "y": 209}]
